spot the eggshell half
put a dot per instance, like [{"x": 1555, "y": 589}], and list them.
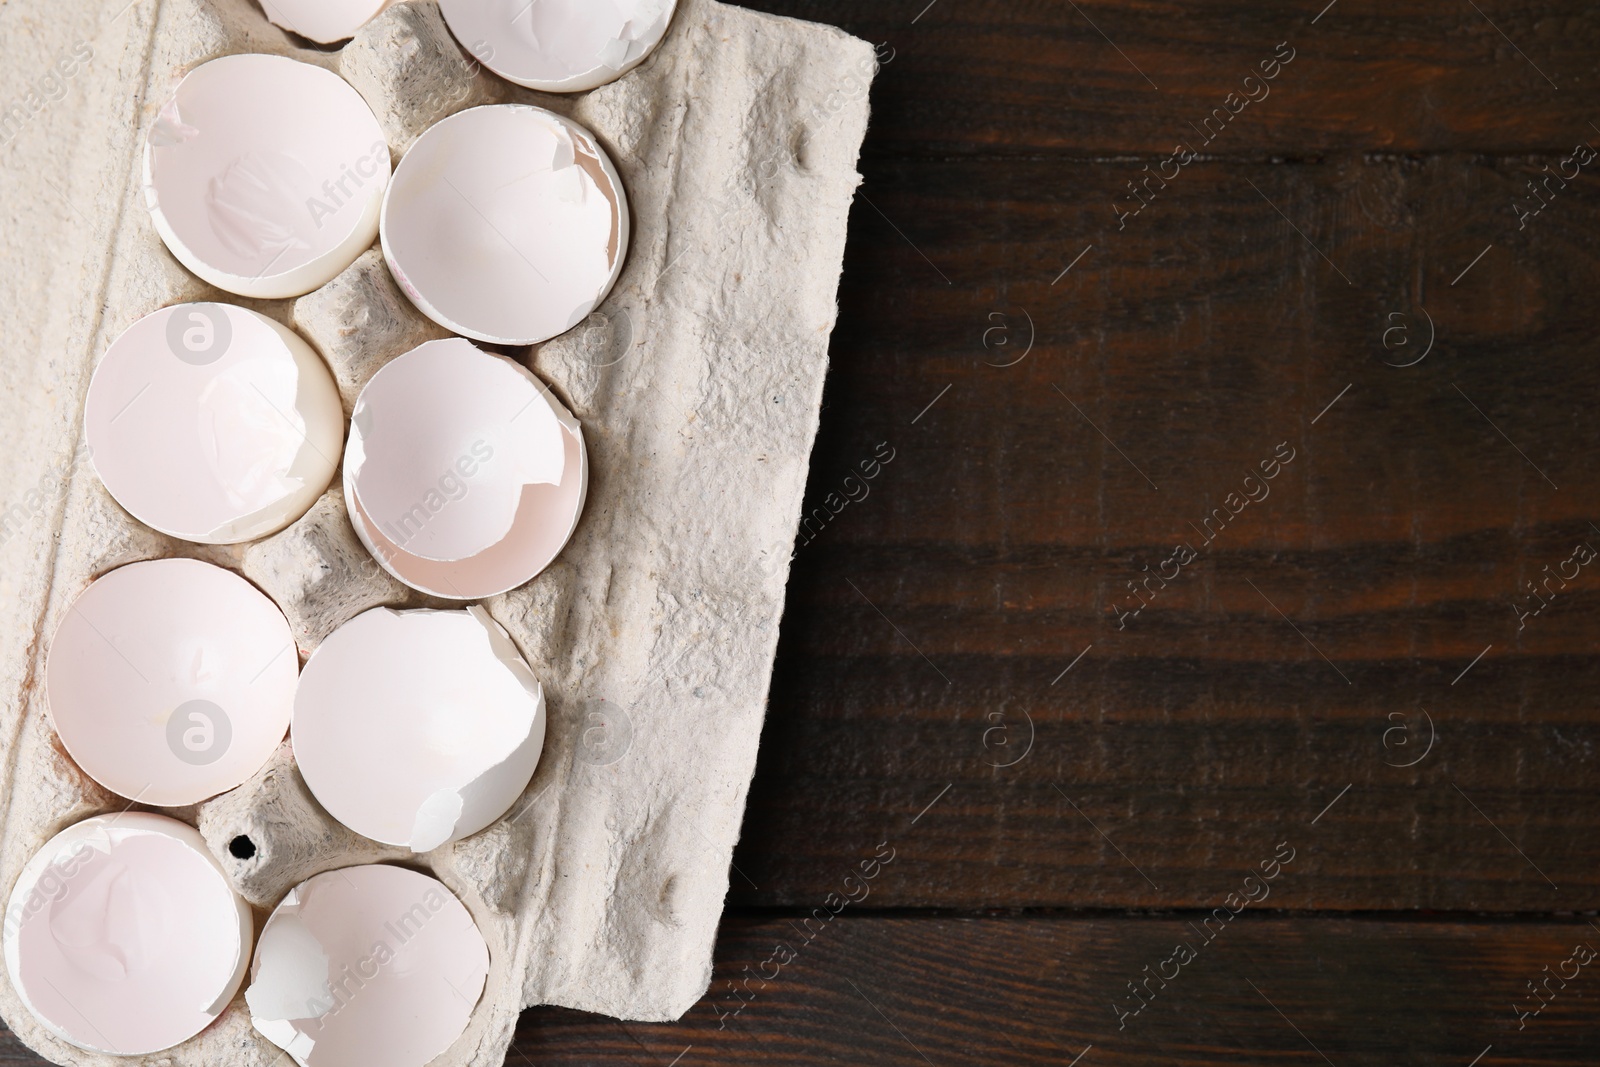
[
  {"x": 417, "y": 728},
  {"x": 365, "y": 966},
  {"x": 559, "y": 46},
  {"x": 123, "y": 935},
  {"x": 506, "y": 224},
  {"x": 171, "y": 681},
  {"x": 265, "y": 176},
  {"x": 464, "y": 475},
  {"x": 214, "y": 424},
  {"x": 323, "y": 21},
  {"x": 443, "y": 442}
]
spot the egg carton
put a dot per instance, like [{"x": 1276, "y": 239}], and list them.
[{"x": 698, "y": 383}]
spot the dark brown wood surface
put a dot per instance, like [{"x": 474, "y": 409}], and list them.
[
  {"x": 1319, "y": 631},
  {"x": 1406, "y": 326},
  {"x": 1349, "y": 270},
  {"x": 1017, "y": 992}
]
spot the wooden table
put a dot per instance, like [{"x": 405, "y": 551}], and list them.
[{"x": 1205, "y": 673}]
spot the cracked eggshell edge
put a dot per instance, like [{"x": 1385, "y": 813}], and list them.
[
  {"x": 593, "y": 78},
  {"x": 619, "y": 206},
  {"x": 385, "y": 551},
  {"x": 275, "y": 15},
  {"x": 478, "y": 810},
  {"x": 99, "y": 832},
  {"x": 289, "y": 284},
  {"x": 324, "y": 434}
]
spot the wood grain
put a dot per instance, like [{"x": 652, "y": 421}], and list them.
[
  {"x": 930, "y": 621},
  {"x": 1102, "y": 78},
  {"x": 1041, "y": 991}
]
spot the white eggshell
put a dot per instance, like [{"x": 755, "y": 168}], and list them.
[
  {"x": 443, "y": 442},
  {"x": 506, "y": 224},
  {"x": 323, "y": 21},
  {"x": 365, "y": 966},
  {"x": 213, "y": 424},
  {"x": 171, "y": 681},
  {"x": 416, "y": 728},
  {"x": 559, "y": 46},
  {"x": 464, "y": 475},
  {"x": 545, "y": 521},
  {"x": 123, "y": 935},
  {"x": 265, "y": 176}
]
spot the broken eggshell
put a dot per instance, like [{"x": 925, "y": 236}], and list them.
[
  {"x": 544, "y": 523},
  {"x": 506, "y": 223},
  {"x": 123, "y": 935},
  {"x": 442, "y": 443},
  {"x": 265, "y": 176},
  {"x": 323, "y": 21},
  {"x": 559, "y": 46},
  {"x": 367, "y": 965},
  {"x": 213, "y": 424},
  {"x": 171, "y": 681},
  {"x": 464, "y": 475},
  {"x": 417, "y": 728}
]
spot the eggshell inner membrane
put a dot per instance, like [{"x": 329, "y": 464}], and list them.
[
  {"x": 265, "y": 176},
  {"x": 506, "y": 224},
  {"x": 323, "y": 21},
  {"x": 444, "y": 441},
  {"x": 367, "y": 965},
  {"x": 214, "y": 424},
  {"x": 171, "y": 681},
  {"x": 559, "y": 46},
  {"x": 123, "y": 935},
  {"x": 545, "y": 521},
  {"x": 416, "y": 728}
]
